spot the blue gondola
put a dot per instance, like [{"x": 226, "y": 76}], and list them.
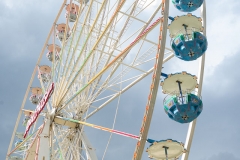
[
  {"x": 187, "y": 5},
  {"x": 189, "y": 48},
  {"x": 183, "y": 109}
]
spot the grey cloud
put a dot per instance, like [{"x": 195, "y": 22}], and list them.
[
  {"x": 24, "y": 32},
  {"x": 224, "y": 156},
  {"x": 217, "y": 127}
]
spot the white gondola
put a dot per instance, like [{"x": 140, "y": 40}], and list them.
[
  {"x": 72, "y": 12},
  {"x": 44, "y": 73},
  {"x": 19, "y": 135},
  {"x": 36, "y": 95},
  {"x": 15, "y": 158},
  {"x": 22, "y": 147},
  {"x": 25, "y": 120},
  {"x": 50, "y": 52},
  {"x": 61, "y": 29}
]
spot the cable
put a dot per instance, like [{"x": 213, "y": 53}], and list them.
[{"x": 115, "y": 117}]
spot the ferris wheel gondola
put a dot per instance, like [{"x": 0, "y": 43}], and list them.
[
  {"x": 181, "y": 104},
  {"x": 51, "y": 48},
  {"x": 62, "y": 30},
  {"x": 44, "y": 73},
  {"x": 36, "y": 95},
  {"x": 187, "y": 5},
  {"x": 72, "y": 11}
]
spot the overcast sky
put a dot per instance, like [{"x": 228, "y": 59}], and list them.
[{"x": 25, "y": 25}]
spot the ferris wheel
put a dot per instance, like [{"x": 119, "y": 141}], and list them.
[{"x": 97, "y": 50}]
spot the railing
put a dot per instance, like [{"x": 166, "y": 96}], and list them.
[
  {"x": 181, "y": 99},
  {"x": 187, "y": 33}
]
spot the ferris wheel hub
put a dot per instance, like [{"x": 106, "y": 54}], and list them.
[{"x": 52, "y": 113}]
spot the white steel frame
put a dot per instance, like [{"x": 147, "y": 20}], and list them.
[{"x": 192, "y": 125}]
